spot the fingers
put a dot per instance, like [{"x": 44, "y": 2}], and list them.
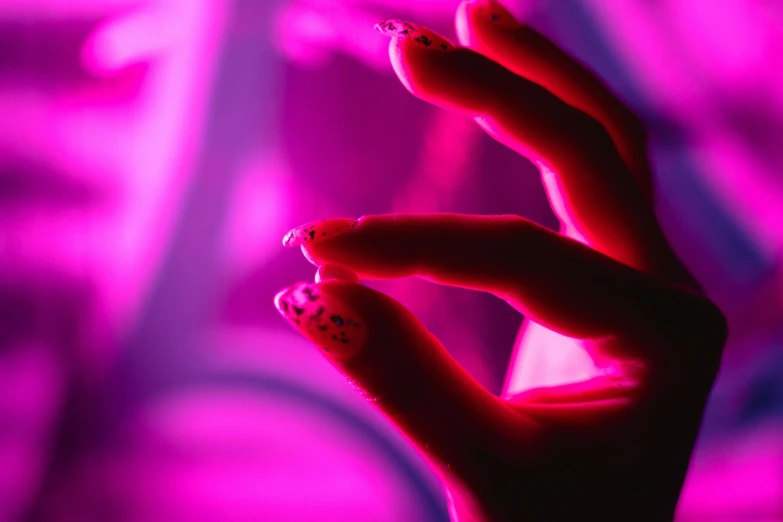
[
  {"x": 555, "y": 281},
  {"x": 402, "y": 369},
  {"x": 595, "y": 191},
  {"x": 487, "y": 27}
]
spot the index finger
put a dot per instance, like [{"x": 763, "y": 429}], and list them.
[{"x": 553, "y": 280}]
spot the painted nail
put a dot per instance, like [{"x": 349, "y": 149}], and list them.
[
  {"x": 327, "y": 272},
  {"x": 318, "y": 231},
  {"x": 407, "y": 31},
  {"x": 496, "y": 13},
  {"x": 321, "y": 319}
]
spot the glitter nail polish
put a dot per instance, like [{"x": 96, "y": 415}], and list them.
[
  {"x": 322, "y": 319},
  {"x": 406, "y": 30},
  {"x": 318, "y": 231}
]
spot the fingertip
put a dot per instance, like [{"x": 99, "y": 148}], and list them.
[
  {"x": 474, "y": 17},
  {"x": 431, "y": 68},
  {"x": 321, "y": 315},
  {"x": 307, "y": 252},
  {"x": 398, "y": 64},
  {"x": 329, "y": 272},
  {"x": 413, "y": 66},
  {"x": 455, "y": 80},
  {"x": 322, "y": 230},
  {"x": 462, "y": 25},
  {"x": 411, "y": 42},
  {"x": 278, "y": 300}
]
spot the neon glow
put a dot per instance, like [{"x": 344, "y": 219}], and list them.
[{"x": 152, "y": 155}]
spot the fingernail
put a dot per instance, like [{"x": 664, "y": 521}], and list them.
[
  {"x": 495, "y": 12},
  {"x": 407, "y": 31},
  {"x": 318, "y": 231},
  {"x": 321, "y": 319},
  {"x": 340, "y": 273}
]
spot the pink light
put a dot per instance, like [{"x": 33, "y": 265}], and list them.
[
  {"x": 542, "y": 357},
  {"x": 59, "y": 8},
  {"x": 31, "y": 391},
  {"x": 650, "y": 54},
  {"x": 221, "y": 455},
  {"x": 302, "y": 33},
  {"x": 131, "y": 38},
  {"x": 157, "y": 159},
  {"x": 737, "y": 477},
  {"x": 728, "y": 39},
  {"x": 260, "y": 210},
  {"x": 309, "y": 34},
  {"x": 746, "y": 187},
  {"x": 556, "y": 201}
]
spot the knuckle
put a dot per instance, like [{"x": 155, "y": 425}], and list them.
[
  {"x": 708, "y": 323},
  {"x": 589, "y": 135},
  {"x": 715, "y": 321},
  {"x": 702, "y": 334}
]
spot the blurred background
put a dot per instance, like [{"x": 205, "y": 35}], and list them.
[{"x": 152, "y": 155}]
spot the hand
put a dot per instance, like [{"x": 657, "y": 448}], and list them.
[{"x": 615, "y": 447}]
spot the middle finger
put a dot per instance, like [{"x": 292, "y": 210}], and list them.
[{"x": 596, "y": 192}]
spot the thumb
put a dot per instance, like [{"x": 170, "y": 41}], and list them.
[{"x": 402, "y": 369}]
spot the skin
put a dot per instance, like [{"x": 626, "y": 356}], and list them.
[{"x": 615, "y": 447}]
